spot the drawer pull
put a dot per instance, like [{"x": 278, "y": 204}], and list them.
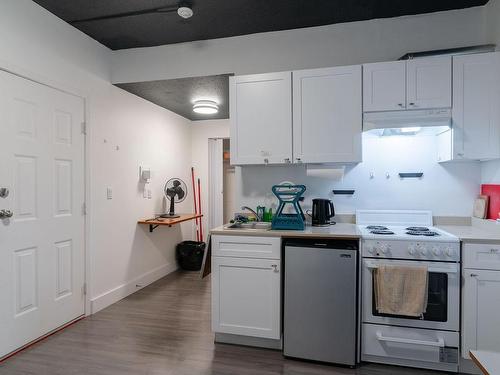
[
  {"x": 439, "y": 343},
  {"x": 473, "y": 275},
  {"x": 494, "y": 251}
]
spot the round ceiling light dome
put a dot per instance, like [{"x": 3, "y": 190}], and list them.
[
  {"x": 205, "y": 107},
  {"x": 185, "y": 12}
]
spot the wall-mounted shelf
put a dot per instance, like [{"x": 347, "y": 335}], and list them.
[
  {"x": 343, "y": 191},
  {"x": 411, "y": 175},
  {"x": 157, "y": 221}
]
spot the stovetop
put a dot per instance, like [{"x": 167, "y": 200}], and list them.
[{"x": 406, "y": 232}]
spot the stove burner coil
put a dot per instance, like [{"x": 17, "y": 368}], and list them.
[
  {"x": 377, "y": 227},
  {"x": 427, "y": 233},
  {"x": 381, "y": 231},
  {"x": 417, "y": 229}
]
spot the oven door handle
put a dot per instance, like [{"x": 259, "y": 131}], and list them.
[
  {"x": 400, "y": 340},
  {"x": 429, "y": 269}
]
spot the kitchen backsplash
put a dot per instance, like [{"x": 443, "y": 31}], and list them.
[{"x": 446, "y": 189}]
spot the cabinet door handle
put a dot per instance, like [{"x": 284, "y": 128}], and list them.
[
  {"x": 298, "y": 160},
  {"x": 400, "y": 104},
  {"x": 411, "y": 103},
  {"x": 494, "y": 251},
  {"x": 274, "y": 267},
  {"x": 266, "y": 161},
  {"x": 460, "y": 154},
  {"x": 287, "y": 160},
  {"x": 473, "y": 275}
]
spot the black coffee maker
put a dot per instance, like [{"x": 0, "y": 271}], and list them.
[{"x": 322, "y": 212}]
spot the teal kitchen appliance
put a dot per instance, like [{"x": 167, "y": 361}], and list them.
[{"x": 289, "y": 214}]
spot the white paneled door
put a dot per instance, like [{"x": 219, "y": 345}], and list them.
[{"x": 42, "y": 260}]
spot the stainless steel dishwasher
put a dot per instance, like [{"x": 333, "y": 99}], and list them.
[{"x": 320, "y": 300}]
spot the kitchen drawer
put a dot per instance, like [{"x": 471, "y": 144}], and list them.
[
  {"x": 246, "y": 247},
  {"x": 481, "y": 256},
  {"x": 410, "y": 346}
]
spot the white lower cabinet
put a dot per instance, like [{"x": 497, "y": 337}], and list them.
[
  {"x": 481, "y": 298},
  {"x": 246, "y": 295},
  {"x": 481, "y": 311}
]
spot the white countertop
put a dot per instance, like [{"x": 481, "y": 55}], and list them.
[
  {"x": 488, "y": 362},
  {"x": 339, "y": 230},
  {"x": 479, "y": 231},
  {"x": 471, "y": 233}
]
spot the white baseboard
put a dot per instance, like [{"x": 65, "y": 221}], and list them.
[{"x": 116, "y": 294}]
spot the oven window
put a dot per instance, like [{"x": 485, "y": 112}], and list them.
[{"x": 437, "y": 304}]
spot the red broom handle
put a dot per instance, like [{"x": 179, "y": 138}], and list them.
[
  {"x": 195, "y": 208},
  {"x": 199, "y": 205}
]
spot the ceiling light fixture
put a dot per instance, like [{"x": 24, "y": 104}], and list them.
[
  {"x": 205, "y": 107},
  {"x": 184, "y": 11}
]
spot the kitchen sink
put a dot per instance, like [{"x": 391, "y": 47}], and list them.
[{"x": 252, "y": 225}]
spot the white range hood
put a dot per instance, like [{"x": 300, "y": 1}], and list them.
[{"x": 407, "y": 122}]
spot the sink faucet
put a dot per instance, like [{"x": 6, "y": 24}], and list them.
[{"x": 252, "y": 211}]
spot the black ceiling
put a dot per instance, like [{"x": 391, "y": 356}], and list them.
[
  {"x": 224, "y": 18},
  {"x": 178, "y": 95}
]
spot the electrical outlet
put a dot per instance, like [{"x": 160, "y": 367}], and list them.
[{"x": 109, "y": 193}]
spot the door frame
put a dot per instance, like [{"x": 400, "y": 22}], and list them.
[
  {"x": 71, "y": 90},
  {"x": 212, "y": 201}
]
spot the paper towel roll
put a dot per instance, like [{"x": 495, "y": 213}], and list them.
[{"x": 328, "y": 172}]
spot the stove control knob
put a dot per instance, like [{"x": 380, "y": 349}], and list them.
[
  {"x": 411, "y": 249},
  {"x": 436, "y": 251},
  {"x": 384, "y": 248},
  {"x": 450, "y": 252},
  {"x": 423, "y": 250}
]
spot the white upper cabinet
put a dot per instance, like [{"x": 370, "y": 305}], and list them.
[
  {"x": 476, "y": 106},
  {"x": 422, "y": 83},
  {"x": 428, "y": 83},
  {"x": 384, "y": 86},
  {"x": 261, "y": 118},
  {"x": 327, "y": 115}
]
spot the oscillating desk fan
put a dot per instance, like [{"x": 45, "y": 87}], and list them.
[{"x": 175, "y": 191}]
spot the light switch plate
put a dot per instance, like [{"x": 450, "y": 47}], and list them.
[{"x": 145, "y": 174}]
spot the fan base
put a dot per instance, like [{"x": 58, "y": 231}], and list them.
[{"x": 169, "y": 216}]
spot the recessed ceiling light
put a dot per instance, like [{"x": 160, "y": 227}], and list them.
[
  {"x": 185, "y": 11},
  {"x": 205, "y": 107}
]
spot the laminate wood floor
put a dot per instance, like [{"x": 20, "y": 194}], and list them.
[{"x": 162, "y": 329}]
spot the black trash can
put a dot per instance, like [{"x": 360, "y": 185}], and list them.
[{"x": 189, "y": 254}]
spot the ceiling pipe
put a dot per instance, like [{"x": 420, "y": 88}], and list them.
[
  {"x": 450, "y": 51},
  {"x": 181, "y": 6}
]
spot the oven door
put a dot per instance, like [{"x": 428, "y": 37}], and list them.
[{"x": 443, "y": 296}]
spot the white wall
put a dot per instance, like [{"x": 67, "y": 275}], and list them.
[
  {"x": 446, "y": 189},
  {"x": 201, "y": 132},
  {"x": 339, "y": 44},
  {"x": 39, "y": 45}
]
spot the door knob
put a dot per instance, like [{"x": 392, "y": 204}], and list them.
[
  {"x": 5, "y": 214},
  {"x": 4, "y": 192}
]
